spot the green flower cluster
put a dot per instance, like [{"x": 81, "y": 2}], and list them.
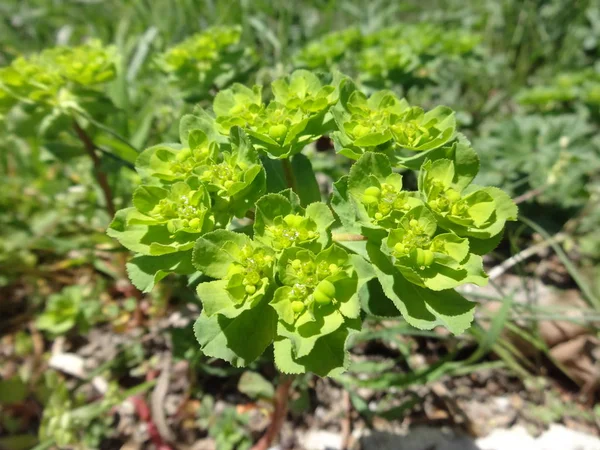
[
  {"x": 383, "y": 122},
  {"x": 329, "y": 49},
  {"x": 297, "y": 115},
  {"x": 188, "y": 190},
  {"x": 394, "y": 55},
  {"x": 297, "y": 289},
  {"x": 565, "y": 88},
  {"x": 287, "y": 281},
  {"x": 207, "y": 59},
  {"x": 57, "y": 74},
  {"x": 436, "y": 235}
]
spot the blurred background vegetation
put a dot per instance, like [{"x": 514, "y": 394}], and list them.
[{"x": 78, "y": 339}]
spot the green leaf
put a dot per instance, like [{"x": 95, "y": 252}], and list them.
[
  {"x": 145, "y": 239},
  {"x": 374, "y": 301},
  {"x": 421, "y": 307},
  {"x": 466, "y": 161},
  {"x": 306, "y": 183},
  {"x": 344, "y": 207},
  {"x": 369, "y": 166},
  {"x": 255, "y": 386},
  {"x": 214, "y": 297},
  {"x": 328, "y": 357},
  {"x": 145, "y": 271},
  {"x": 199, "y": 121},
  {"x": 145, "y": 198},
  {"x": 275, "y": 176},
  {"x": 308, "y": 328},
  {"x": 282, "y": 305},
  {"x": 238, "y": 340},
  {"x": 216, "y": 251}
]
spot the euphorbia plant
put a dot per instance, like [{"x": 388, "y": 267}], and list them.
[
  {"x": 280, "y": 266},
  {"x": 207, "y": 60}
]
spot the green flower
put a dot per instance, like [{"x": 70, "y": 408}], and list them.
[
  {"x": 304, "y": 91},
  {"x": 237, "y": 323},
  {"x": 330, "y": 48},
  {"x": 392, "y": 60},
  {"x": 181, "y": 207},
  {"x": 31, "y": 80},
  {"x": 467, "y": 211},
  {"x": 376, "y": 192},
  {"x": 200, "y": 50},
  {"x": 214, "y": 57},
  {"x": 164, "y": 219},
  {"x": 234, "y": 178},
  {"x": 296, "y": 117},
  {"x": 436, "y": 261},
  {"x": 417, "y": 130},
  {"x": 238, "y": 106},
  {"x": 280, "y": 222},
  {"x": 170, "y": 163},
  {"x": 318, "y": 298},
  {"x": 243, "y": 267},
  {"x": 86, "y": 65},
  {"x": 364, "y": 123},
  {"x": 40, "y": 77}
]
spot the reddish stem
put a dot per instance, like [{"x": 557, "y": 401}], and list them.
[
  {"x": 143, "y": 411},
  {"x": 280, "y": 403}
]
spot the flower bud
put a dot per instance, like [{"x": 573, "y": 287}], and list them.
[
  {"x": 452, "y": 195},
  {"x": 278, "y": 132},
  {"x": 424, "y": 258},
  {"x": 370, "y": 199},
  {"x": 373, "y": 191},
  {"x": 297, "y": 306},
  {"x": 250, "y": 289},
  {"x": 360, "y": 131},
  {"x": 293, "y": 220},
  {"x": 413, "y": 223},
  {"x": 194, "y": 223},
  {"x": 183, "y": 154},
  {"x": 324, "y": 292}
]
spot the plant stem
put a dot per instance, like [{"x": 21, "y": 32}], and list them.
[
  {"x": 250, "y": 214},
  {"x": 280, "y": 403},
  {"x": 101, "y": 177},
  {"x": 289, "y": 174},
  {"x": 129, "y": 290},
  {"x": 341, "y": 237}
]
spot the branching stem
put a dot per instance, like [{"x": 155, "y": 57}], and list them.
[{"x": 100, "y": 175}]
